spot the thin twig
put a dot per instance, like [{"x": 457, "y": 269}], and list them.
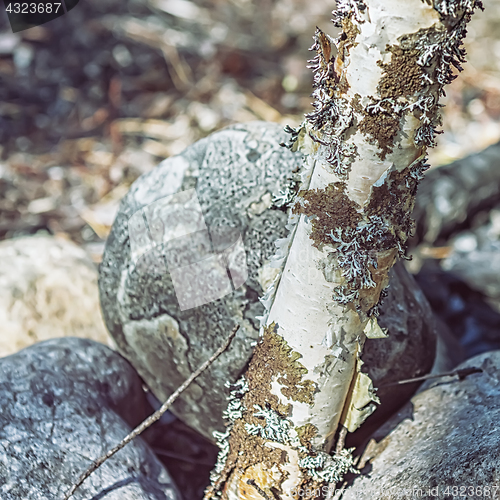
[
  {"x": 260, "y": 491},
  {"x": 341, "y": 440},
  {"x": 337, "y": 492},
  {"x": 154, "y": 417},
  {"x": 461, "y": 374},
  {"x": 177, "y": 456}
]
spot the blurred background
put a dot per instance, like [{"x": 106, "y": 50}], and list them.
[{"x": 91, "y": 100}]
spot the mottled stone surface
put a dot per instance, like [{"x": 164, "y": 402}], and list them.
[
  {"x": 64, "y": 403},
  {"x": 235, "y": 172},
  {"x": 446, "y": 437},
  {"x": 48, "y": 289}
]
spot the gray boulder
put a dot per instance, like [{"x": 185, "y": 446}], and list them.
[
  {"x": 443, "y": 444},
  {"x": 236, "y": 173},
  {"x": 64, "y": 403}
]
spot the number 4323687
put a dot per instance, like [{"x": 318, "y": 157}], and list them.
[{"x": 33, "y": 8}]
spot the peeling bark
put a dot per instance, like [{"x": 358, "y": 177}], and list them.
[{"x": 376, "y": 111}]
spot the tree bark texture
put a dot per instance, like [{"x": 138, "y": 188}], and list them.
[{"x": 375, "y": 113}]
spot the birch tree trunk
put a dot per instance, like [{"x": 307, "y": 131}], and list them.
[{"x": 376, "y": 111}]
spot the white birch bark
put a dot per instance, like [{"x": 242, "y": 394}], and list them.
[{"x": 376, "y": 111}]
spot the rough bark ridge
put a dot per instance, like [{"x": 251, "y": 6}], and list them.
[{"x": 376, "y": 111}]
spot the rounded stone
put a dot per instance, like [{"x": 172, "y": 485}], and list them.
[
  {"x": 48, "y": 289},
  {"x": 443, "y": 444},
  {"x": 65, "y": 402}
]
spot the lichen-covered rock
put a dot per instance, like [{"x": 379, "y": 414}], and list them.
[
  {"x": 236, "y": 173},
  {"x": 443, "y": 444},
  {"x": 64, "y": 403},
  {"x": 48, "y": 289}
]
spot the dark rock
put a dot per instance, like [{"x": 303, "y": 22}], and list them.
[
  {"x": 468, "y": 314},
  {"x": 187, "y": 455},
  {"x": 444, "y": 441},
  {"x": 235, "y": 172},
  {"x": 475, "y": 257},
  {"x": 451, "y": 194},
  {"x": 458, "y": 209},
  {"x": 64, "y": 403}
]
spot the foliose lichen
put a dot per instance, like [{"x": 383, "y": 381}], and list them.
[
  {"x": 255, "y": 415},
  {"x": 328, "y": 468},
  {"x": 233, "y": 412},
  {"x": 287, "y": 194},
  {"x": 456, "y": 8},
  {"x": 332, "y": 115},
  {"x": 411, "y": 83},
  {"x": 275, "y": 428},
  {"x": 327, "y": 209},
  {"x": 348, "y": 8},
  {"x": 354, "y": 236},
  {"x": 252, "y": 424}
]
